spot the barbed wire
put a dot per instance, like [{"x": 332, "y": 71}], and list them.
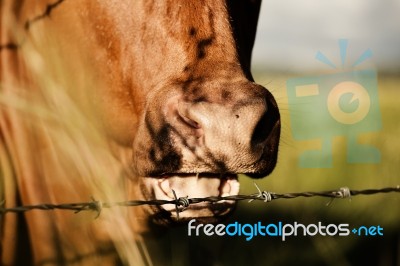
[{"x": 182, "y": 203}]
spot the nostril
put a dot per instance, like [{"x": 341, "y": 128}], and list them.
[
  {"x": 189, "y": 122},
  {"x": 261, "y": 130},
  {"x": 264, "y": 126}
]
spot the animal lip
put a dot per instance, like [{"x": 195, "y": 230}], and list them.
[
  {"x": 195, "y": 186},
  {"x": 192, "y": 185}
]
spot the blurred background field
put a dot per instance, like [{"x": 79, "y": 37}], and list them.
[
  {"x": 381, "y": 209},
  {"x": 290, "y": 176}
]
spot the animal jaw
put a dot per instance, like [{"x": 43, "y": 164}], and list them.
[{"x": 193, "y": 186}]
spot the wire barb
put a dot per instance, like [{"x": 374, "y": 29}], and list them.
[
  {"x": 182, "y": 201},
  {"x": 267, "y": 196},
  {"x": 344, "y": 192},
  {"x": 96, "y": 206}
]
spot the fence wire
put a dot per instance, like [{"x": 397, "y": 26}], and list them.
[{"x": 181, "y": 203}]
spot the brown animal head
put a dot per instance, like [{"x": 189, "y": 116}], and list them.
[
  {"x": 202, "y": 119},
  {"x": 171, "y": 84}
]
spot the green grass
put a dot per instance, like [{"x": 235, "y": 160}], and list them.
[{"x": 289, "y": 177}]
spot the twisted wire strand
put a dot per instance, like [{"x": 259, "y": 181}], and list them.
[{"x": 182, "y": 203}]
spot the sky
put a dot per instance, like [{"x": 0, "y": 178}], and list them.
[{"x": 291, "y": 33}]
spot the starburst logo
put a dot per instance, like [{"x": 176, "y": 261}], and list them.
[
  {"x": 343, "y": 44},
  {"x": 344, "y": 103}
]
